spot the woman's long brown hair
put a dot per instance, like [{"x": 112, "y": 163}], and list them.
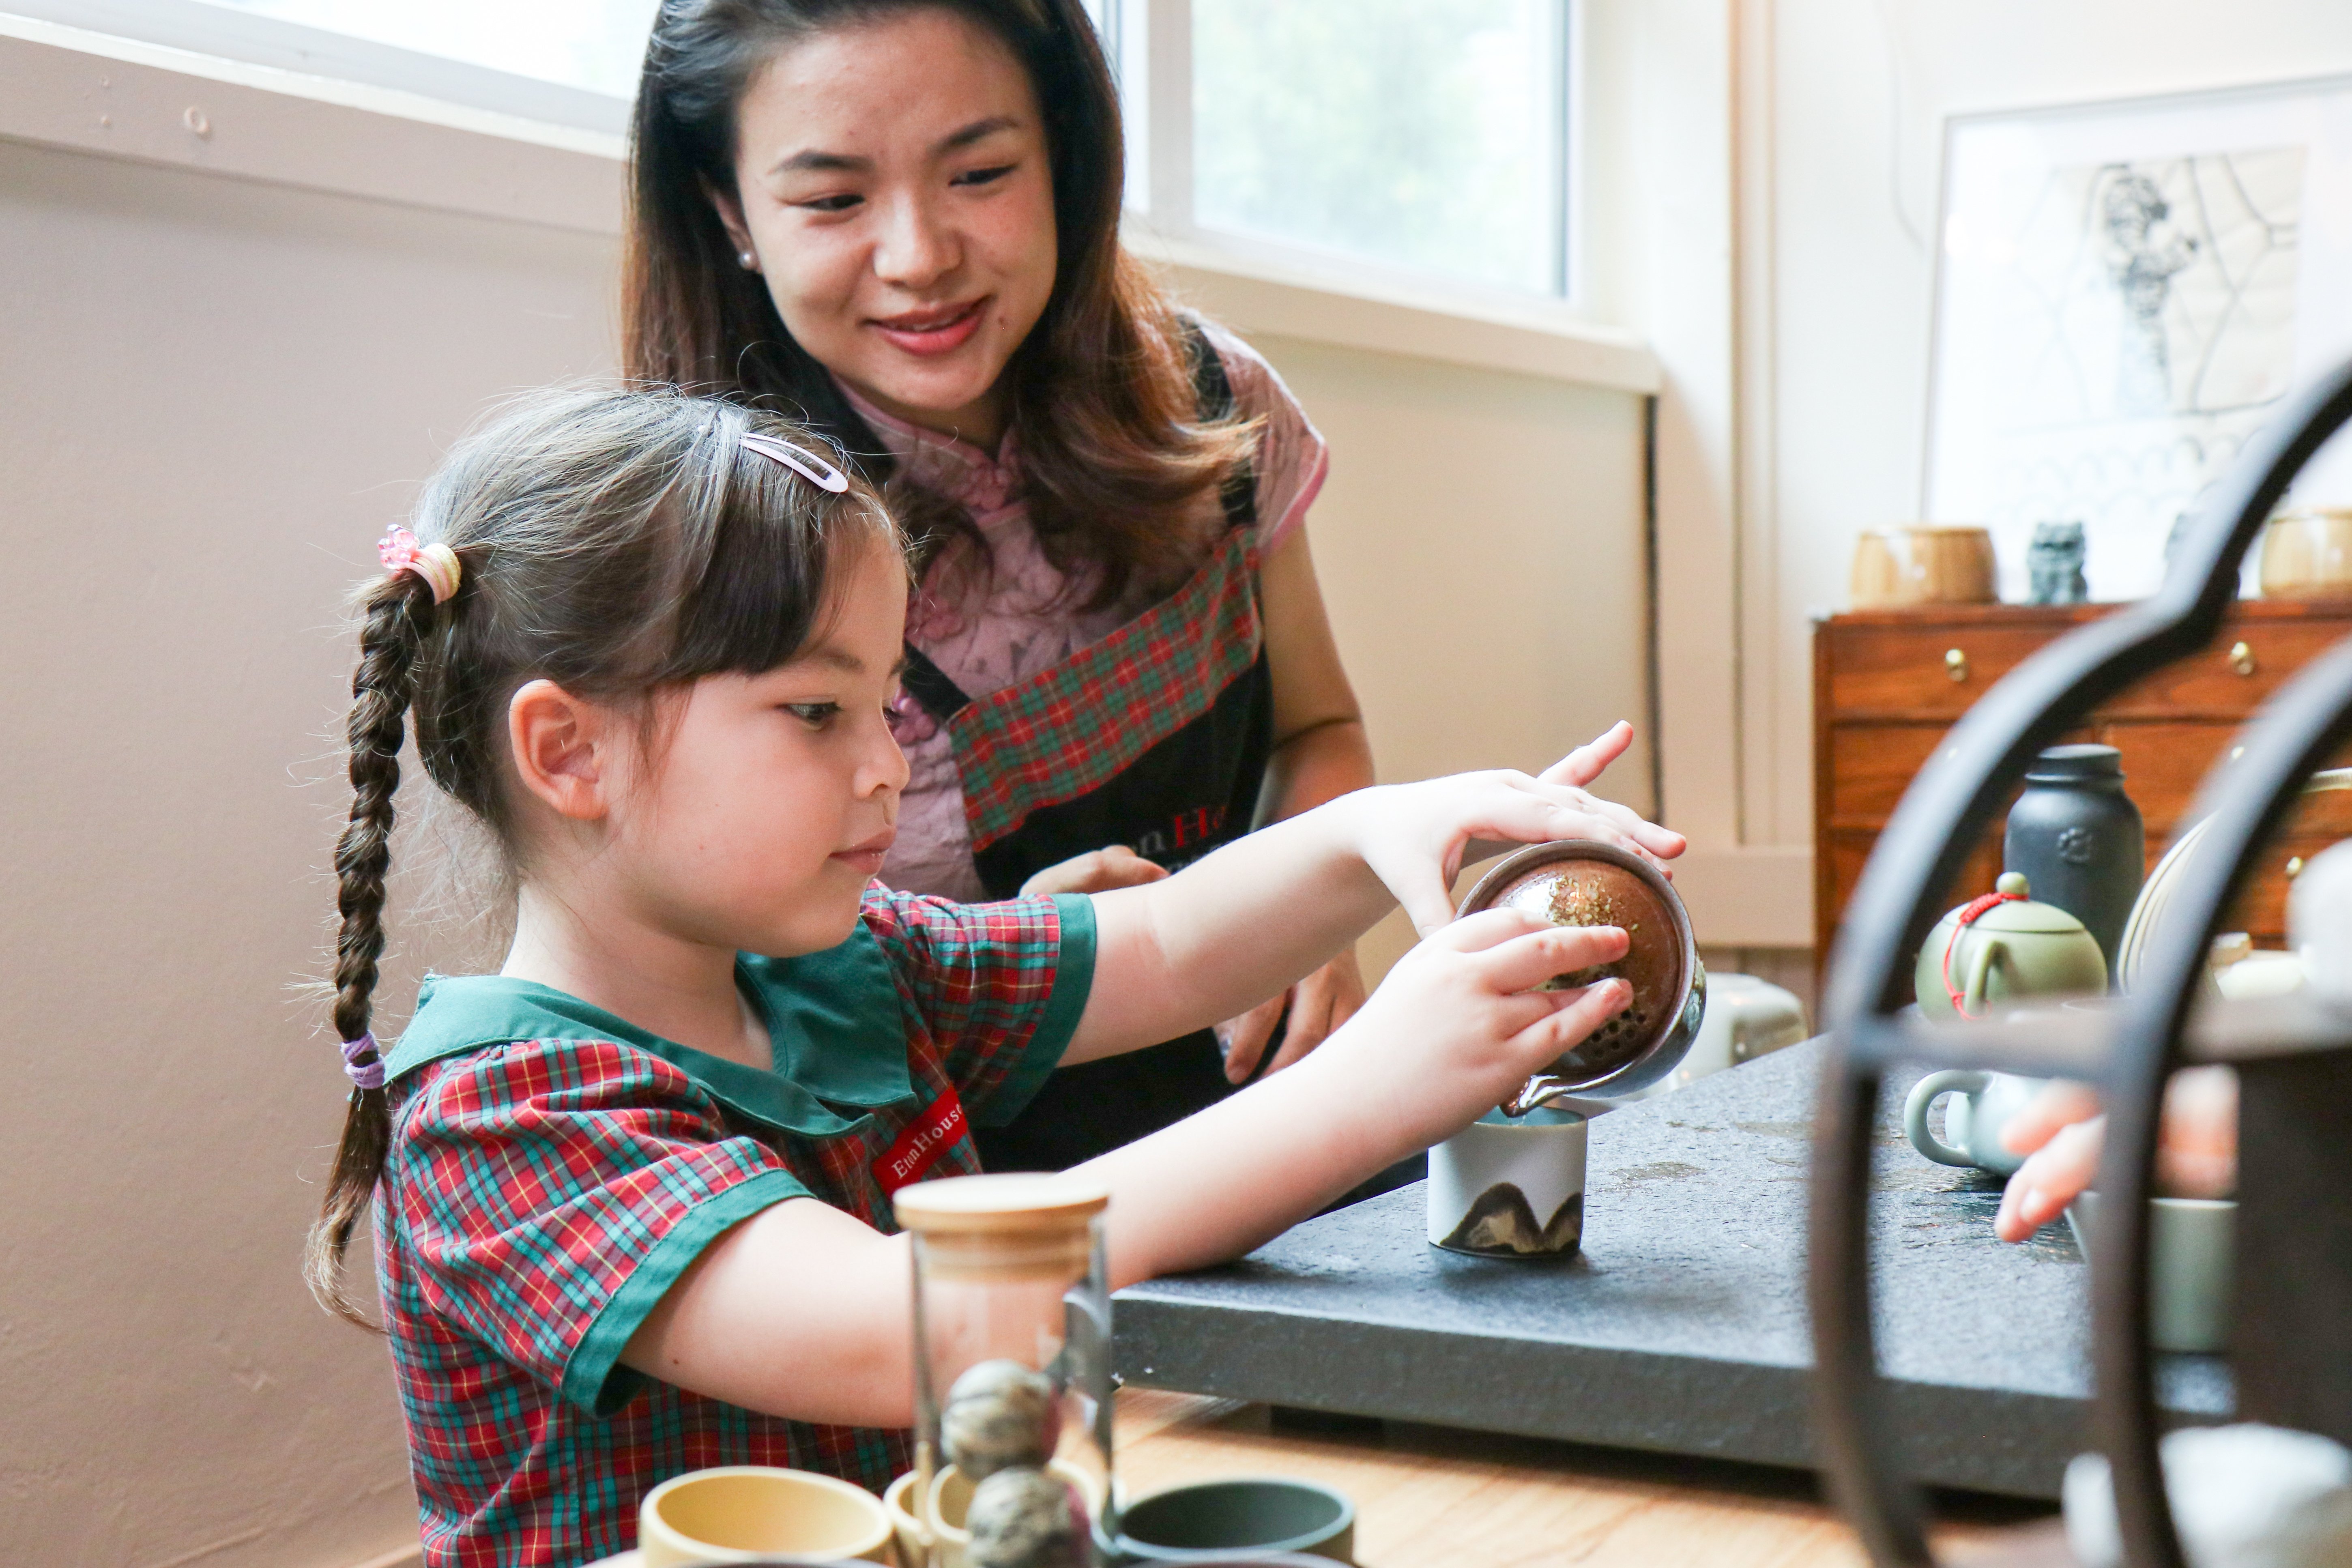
[{"x": 1112, "y": 452}]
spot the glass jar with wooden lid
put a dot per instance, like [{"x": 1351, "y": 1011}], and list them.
[{"x": 1011, "y": 1356}]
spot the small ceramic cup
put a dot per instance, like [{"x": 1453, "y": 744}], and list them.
[
  {"x": 1215, "y": 1520},
  {"x": 2191, "y": 1244},
  {"x": 2307, "y": 554},
  {"x": 1981, "y": 1108},
  {"x": 1510, "y": 1188},
  {"x": 743, "y": 1513},
  {"x": 1922, "y": 564}
]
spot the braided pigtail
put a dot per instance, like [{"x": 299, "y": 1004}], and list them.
[{"x": 399, "y": 613}]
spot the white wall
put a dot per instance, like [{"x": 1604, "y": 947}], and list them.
[
  {"x": 1850, "y": 97},
  {"x": 214, "y": 393}
]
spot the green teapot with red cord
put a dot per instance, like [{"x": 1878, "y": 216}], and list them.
[{"x": 2004, "y": 947}]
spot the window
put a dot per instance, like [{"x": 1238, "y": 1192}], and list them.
[
  {"x": 593, "y": 44},
  {"x": 1422, "y": 136},
  {"x": 1412, "y": 138},
  {"x": 562, "y": 62}
]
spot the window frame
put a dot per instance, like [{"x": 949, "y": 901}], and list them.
[
  {"x": 412, "y": 139},
  {"x": 1150, "y": 47},
  {"x": 222, "y": 32}
]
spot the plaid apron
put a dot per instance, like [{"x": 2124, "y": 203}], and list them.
[{"x": 1157, "y": 737}]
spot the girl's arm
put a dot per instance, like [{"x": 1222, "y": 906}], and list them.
[
  {"x": 802, "y": 1311},
  {"x": 1245, "y": 923}
]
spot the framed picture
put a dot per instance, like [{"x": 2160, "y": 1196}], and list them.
[{"x": 2124, "y": 292}]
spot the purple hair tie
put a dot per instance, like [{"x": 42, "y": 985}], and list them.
[{"x": 369, "y": 1075}]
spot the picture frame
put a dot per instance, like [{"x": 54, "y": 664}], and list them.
[{"x": 2124, "y": 292}]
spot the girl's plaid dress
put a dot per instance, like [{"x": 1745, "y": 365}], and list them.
[{"x": 554, "y": 1169}]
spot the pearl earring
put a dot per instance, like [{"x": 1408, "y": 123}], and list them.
[{"x": 750, "y": 262}]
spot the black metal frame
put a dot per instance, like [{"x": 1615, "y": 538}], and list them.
[{"x": 1901, "y": 895}]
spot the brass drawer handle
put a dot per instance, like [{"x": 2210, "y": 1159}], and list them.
[
  {"x": 1956, "y": 663},
  {"x": 2242, "y": 658}
]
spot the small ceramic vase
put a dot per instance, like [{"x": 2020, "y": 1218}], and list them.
[
  {"x": 2077, "y": 838},
  {"x": 1922, "y": 564}
]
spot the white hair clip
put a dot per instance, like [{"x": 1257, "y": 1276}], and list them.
[{"x": 800, "y": 460}]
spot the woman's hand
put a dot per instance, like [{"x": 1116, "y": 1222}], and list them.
[
  {"x": 2060, "y": 1127},
  {"x": 1416, "y": 837},
  {"x": 1318, "y": 1005},
  {"x": 1095, "y": 871}
]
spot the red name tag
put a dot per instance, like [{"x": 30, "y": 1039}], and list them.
[{"x": 919, "y": 1148}]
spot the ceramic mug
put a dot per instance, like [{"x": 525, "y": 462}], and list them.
[
  {"x": 1213, "y": 1521},
  {"x": 743, "y": 1513},
  {"x": 2191, "y": 1244},
  {"x": 1507, "y": 1187},
  {"x": 1973, "y": 1123}
]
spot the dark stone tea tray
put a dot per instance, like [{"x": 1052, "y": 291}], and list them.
[{"x": 1681, "y": 1325}]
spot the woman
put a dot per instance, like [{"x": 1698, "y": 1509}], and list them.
[{"x": 898, "y": 221}]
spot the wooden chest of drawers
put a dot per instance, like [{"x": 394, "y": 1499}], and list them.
[{"x": 1887, "y": 684}]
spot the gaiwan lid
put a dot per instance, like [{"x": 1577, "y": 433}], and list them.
[{"x": 1584, "y": 882}]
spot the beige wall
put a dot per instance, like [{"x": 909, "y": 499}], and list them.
[
  {"x": 1479, "y": 545},
  {"x": 216, "y": 393}
]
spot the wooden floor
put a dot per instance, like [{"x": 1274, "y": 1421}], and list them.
[{"x": 1435, "y": 1498}]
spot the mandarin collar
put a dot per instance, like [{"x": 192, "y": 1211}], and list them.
[{"x": 986, "y": 484}]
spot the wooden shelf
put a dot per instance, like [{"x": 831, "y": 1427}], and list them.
[{"x": 1888, "y": 684}]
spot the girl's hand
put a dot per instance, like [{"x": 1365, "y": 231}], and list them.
[
  {"x": 2195, "y": 1150},
  {"x": 1095, "y": 871},
  {"x": 1416, "y": 837},
  {"x": 1456, "y": 1028},
  {"x": 1318, "y": 1005}
]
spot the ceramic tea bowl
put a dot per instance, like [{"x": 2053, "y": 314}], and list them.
[{"x": 1582, "y": 882}]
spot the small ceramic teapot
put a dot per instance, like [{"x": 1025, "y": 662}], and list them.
[{"x": 2004, "y": 946}]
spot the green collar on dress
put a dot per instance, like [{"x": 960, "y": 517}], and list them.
[{"x": 836, "y": 1025}]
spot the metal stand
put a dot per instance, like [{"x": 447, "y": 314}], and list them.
[{"x": 2292, "y": 1344}]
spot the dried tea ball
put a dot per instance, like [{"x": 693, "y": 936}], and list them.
[
  {"x": 1024, "y": 1517},
  {"x": 1000, "y": 1413}
]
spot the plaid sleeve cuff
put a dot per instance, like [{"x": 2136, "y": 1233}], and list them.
[
  {"x": 593, "y": 1379},
  {"x": 1073, "y": 980}
]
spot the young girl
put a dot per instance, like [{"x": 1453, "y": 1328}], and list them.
[
  {"x": 631, "y": 1192},
  {"x": 899, "y": 219}
]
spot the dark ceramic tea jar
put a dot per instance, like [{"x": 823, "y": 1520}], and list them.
[
  {"x": 1582, "y": 882},
  {"x": 2077, "y": 838}
]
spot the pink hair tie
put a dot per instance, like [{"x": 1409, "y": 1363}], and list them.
[
  {"x": 366, "y": 1075},
  {"x": 437, "y": 564},
  {"x": 800, "y": 460}
]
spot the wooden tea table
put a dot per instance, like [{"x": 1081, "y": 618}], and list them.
[{"x": 1432, "y": 1497}]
